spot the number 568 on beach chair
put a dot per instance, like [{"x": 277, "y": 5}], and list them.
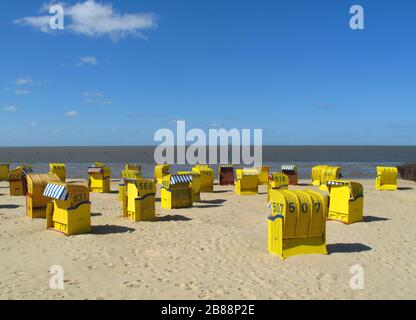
[{"x": 140, "y": 199}]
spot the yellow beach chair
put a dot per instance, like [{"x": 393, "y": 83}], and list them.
[
  {"x": 99, "y": 178},
  {"x": 346, "y": 202},
  {"x": 176, "y": 191},
  {"x": 69, "y": 208},
  {"x": 247, "y": 182},
  {"x": 277, "y": 181},
  {"x": 386, "y": 178},
  {"x": 207, "y": 177},
  {"x": 297, "y": 223},
  {"x": 35, "y": 200},
  {"x": 141, "y": 195},
  {"x": 59, "y": 169}
]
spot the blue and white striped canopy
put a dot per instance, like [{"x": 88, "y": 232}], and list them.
[
  {"x": 56, "y": 191},
  {"x": 95, "y": 170},
  {"x": 180, "y": 178},
  {"x": 337, "y": 183},
  {"x": 133, "y": 166},
  {"x": 289, "y": 167}
]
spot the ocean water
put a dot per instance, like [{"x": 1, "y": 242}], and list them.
[
  {"x": 355, "y": 161},
  {"x": 355, "y": 170}
]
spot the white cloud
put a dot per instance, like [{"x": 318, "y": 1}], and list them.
[
  {"x": 40, "y": 22},
  {"x": 23, "y": 92},
  {"x": 10, "y": 109},
  {"x": 94, "y": 19},
  {"x": 99, "y": 101},
  {"x": 92, "y": 94},
  {"x": 23, "y": 81},
  {"x": 72, "y": 113},
  {"x": 88, "y": 60},
  {"x": 96, "y": 98}
]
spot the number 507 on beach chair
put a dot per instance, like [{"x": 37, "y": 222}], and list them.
[{"x": 297, "y": 223}]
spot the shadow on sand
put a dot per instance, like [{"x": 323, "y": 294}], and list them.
[
  {"x": 374, "y": 219},
  {"x": 222, "y": 191},
  {"x": 96, "y": 214},
  {"x": 173, "y": 218},
  {"x": 216, "y": 201},
  {"x": 109, "y": 229},
  {"x": 404, "y": 188},
  {"x": 347, "y": 248},
  {"x": 9, "y": 206}
]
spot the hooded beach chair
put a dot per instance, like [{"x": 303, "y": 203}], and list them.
[
  {"x": 17, "y": 180},
  {"x": 226, "y": 175},
  {"x": 277, "y": 181},
  {"x": 99, "y": 178},
  {"x": 297, "y": 223},
  {"x": 35, "y": 200},
  {"x": 59, "y": 169},
  {"x": 346, "y": 201},
  {"x": 386, "y": 179},
  {"x": 247, "y": 182},
  {"x": 207, "y": 177},
  {"x": 69, "y": 208},
  {"x": 291, "y": 170},
  {"x": 176, "y": 191}
]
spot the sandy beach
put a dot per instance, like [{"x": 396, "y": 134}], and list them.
[{"x": 215, "y": 250}]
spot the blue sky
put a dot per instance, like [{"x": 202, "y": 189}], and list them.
[{"x": 292, "y": 68}]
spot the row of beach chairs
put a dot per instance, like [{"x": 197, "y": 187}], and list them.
[{"x": 296, "y": 224}]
